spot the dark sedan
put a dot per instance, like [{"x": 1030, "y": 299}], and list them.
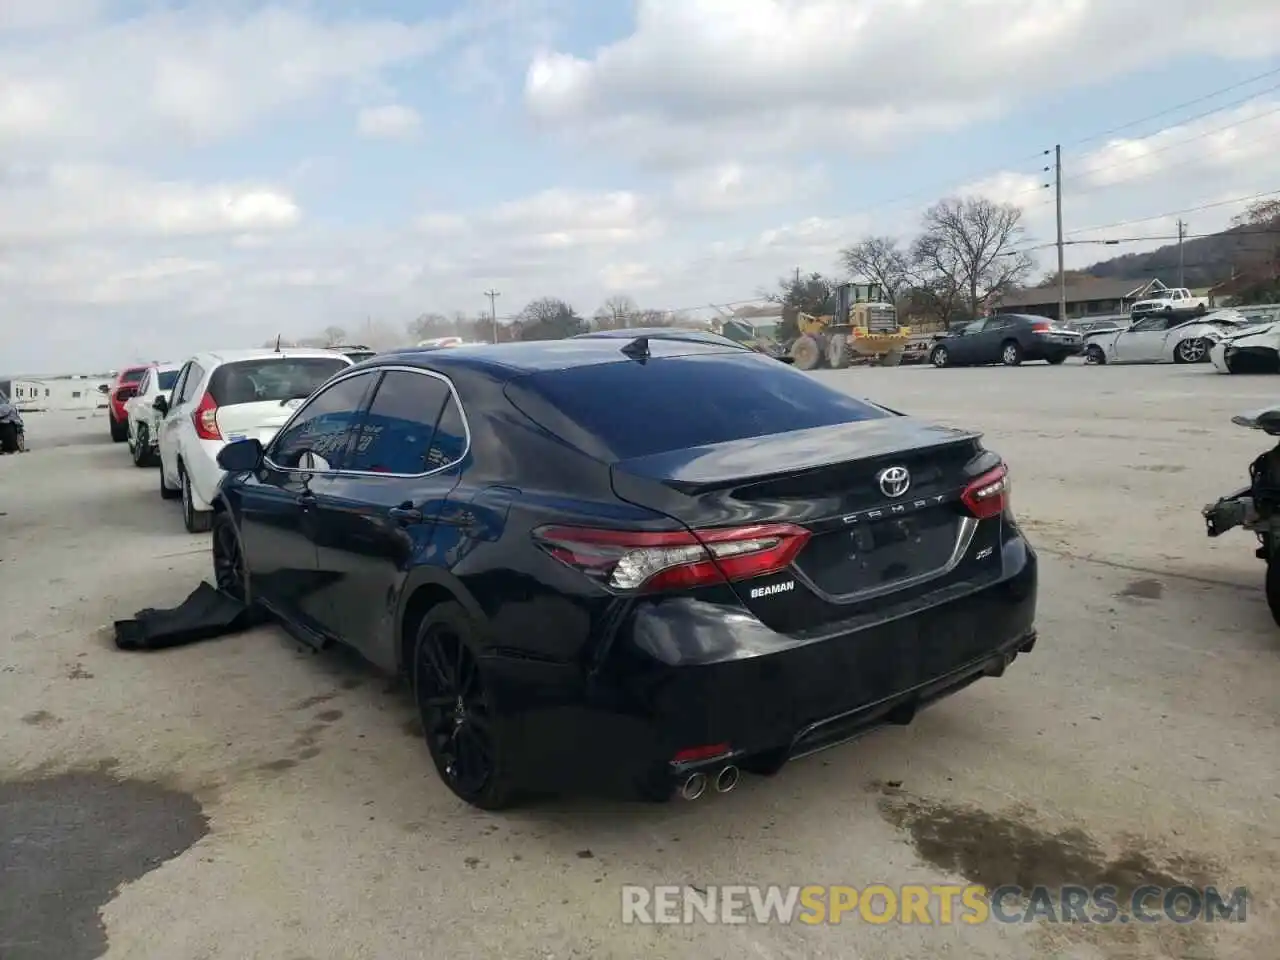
[
  {"x": 634, "y": 568},
  {"x": 1010, "y": 339}
]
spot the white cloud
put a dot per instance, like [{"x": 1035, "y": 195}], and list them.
[
  {"x": 390, "y": 122},
  {"x": 191, "y": 74},
  {"x": 773, "y": 75},
  {"x": 733, "y": 186},
  {"x": 75, "y": 201}
]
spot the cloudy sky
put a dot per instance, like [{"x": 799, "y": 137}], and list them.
[{"x": 182, "y": 176}]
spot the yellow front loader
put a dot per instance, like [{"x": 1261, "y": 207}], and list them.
[{"x": 865, "y": 326}]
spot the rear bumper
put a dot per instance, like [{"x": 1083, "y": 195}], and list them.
[
  {"x": 1045, "y": 349},
  {"x": 685, "y": 676}
]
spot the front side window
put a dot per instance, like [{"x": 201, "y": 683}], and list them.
[
  {"x": 322, "y": 428},
  {"x": 166, "y": 380},
  {"x": 399, "y": 429}
]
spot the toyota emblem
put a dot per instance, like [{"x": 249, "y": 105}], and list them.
[{"x": 894, "y": 481}]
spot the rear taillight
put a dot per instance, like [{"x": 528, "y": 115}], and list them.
[
  {"x": 988, "y": 496},
  {"x": 641, "y": 561},
  {"x": 1041, "y": 326},
  {"x": 205, "y": 419}
]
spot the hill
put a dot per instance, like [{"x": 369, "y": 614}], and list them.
[{"x": 1209, "y": 260}]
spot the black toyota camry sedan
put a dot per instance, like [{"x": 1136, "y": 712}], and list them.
[{"x": 634, "y": 567}]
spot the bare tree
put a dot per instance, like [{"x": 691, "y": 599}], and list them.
[
  {"x": 975, "y": 238},
  {"x": 934, "y": 277},
  {"x": 549, "y": 318},
  {"x": 427, "y": 326},
  {"x": 333, "y": 336},
  {"x": 878, "y": 260}
]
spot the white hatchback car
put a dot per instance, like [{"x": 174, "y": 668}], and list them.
[
  {"x": 142, "y": 417},
  {"x": 225, "y": 396}
]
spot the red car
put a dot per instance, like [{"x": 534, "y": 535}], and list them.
[{"x": 126, "y": 386}]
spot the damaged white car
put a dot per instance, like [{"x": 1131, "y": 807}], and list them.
[
  {"x": 1252, "y": 349},
  {"x": 1162, "y": 339}
]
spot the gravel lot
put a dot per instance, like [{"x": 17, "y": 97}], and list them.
[{"x": 243, "y": 798}]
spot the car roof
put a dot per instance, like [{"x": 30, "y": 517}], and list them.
[
  {"x": 681, "y": 334},
  {"x": 509, "y": 360},
  {"x": 218, "y": 357}
]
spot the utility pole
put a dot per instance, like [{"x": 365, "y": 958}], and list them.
[
  {"x": 1182, "y": 263},
  {"x": 1062, "y": 274},
  {"x": 493, "y": 310}
]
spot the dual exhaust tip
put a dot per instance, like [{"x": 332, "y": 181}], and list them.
[{"x": 696, "y": 783}]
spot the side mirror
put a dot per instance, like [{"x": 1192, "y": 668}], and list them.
[
  {"x": 161, "y": 405},
  {"x": 1269, "y": 422},
  {"x": 240, "y": 456}
]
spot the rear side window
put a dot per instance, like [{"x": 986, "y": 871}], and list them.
[
  {"x": 636, "y": 409},
  {"x": 256, "y": 381},
  {"x": 167, "y": 379},
  {"x": 400, "y": 425},
  {"x": 450, "y": 440}
]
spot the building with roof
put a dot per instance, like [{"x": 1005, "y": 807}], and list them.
[{"x": 1089, "y": 297}]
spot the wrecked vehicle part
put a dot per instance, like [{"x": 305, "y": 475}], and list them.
[
  {"x": 1254, "y": 349},
  {"x": 206, "y": 614},
  {"x": 1256, "y": 508}
]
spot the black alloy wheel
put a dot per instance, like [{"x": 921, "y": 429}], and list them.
[{"x": 457, "y": 718}]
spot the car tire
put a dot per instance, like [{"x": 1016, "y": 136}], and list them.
[
  {"x": 167, "y": 492},
  {"x": 1010, "y": 353},
  {"x": 196, "y": 521},
  {"x": 1094, "y": 354},
  {"x": 141, "y": 450},
  {"x": 1273, "y": 588},
  {"x": 119, "y": 431},
  {"x": 940, "y": 358},
  {"x": 1191, "y": 350},
  {"x": 230, "y": 566},
  {"x": 456, "y": 709}
]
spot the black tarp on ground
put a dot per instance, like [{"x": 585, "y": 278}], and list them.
[{"x": 206, "y": 614}]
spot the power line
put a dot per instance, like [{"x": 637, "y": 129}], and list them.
[
  {"x": 1171, "y": 213},
  {"x": 1179, "y": 143},
  {"x": 1039, "y": 156},
  {"x": 1188, "y": 103}
]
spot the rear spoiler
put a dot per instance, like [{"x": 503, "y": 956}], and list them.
[{"x": 782, "y": 454}]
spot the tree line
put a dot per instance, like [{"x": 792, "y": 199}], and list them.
[{"x": 545, "y": 318}]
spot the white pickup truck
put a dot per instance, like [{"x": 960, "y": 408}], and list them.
[{"x": 1169, "y": 302}]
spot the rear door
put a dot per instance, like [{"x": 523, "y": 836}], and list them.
[
  {"x": 278, "y": 523},
  {"x": 176, "y": 428},
  {"x": 256, "y": 397},
  {"x": 379, "y": 511}
]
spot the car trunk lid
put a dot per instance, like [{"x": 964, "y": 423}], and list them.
[{"x": 874, "y": 532}]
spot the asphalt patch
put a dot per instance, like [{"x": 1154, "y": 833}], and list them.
[
  {"x": 67, "y": 845},
  {"x": 1143, "y": 590}
]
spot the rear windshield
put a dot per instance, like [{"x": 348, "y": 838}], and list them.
[
  {"x": 166, "y": 380},
  {"x": 133, "y": 376},
  {"x": 255, "y": 381},
  {"x": 635, "y": 410}
]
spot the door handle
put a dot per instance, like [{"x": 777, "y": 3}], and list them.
[{"x": 405, "y": 514}]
